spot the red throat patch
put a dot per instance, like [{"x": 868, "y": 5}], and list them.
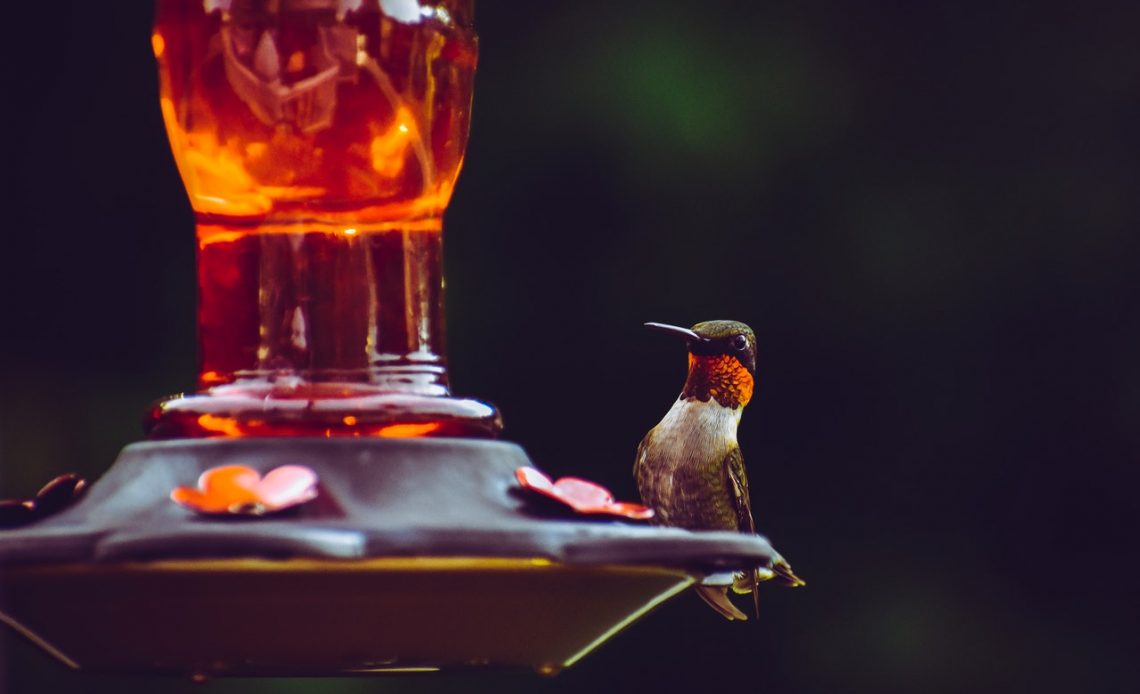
[{"x": 721, "y": 377}]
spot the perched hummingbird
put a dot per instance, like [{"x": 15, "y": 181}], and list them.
[{"x": 689, "y": 468}]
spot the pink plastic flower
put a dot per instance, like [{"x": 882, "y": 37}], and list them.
[
  {"x": 241, "y": 491},
  {"x": 581, "y": 495}
]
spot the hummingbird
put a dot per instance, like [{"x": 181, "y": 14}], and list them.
[{"x": 689, "y": 468}]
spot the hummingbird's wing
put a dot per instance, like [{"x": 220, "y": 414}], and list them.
[{"x": 738, "y": 486}]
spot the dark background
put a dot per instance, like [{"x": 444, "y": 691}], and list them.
[{"x": 926, "y": 211}]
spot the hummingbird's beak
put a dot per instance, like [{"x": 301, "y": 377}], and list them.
[{"x": 674, "y": 330}]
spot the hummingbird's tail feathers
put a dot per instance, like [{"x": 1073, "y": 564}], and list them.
[
  {"x": 717, "y": 598},
  {"x": 784, "y": 574},
  {"x": 745, "y": 582}
]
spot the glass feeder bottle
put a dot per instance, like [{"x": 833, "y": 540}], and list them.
[{"x": 319, "y": 142}]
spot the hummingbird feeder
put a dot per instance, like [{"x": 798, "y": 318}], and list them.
[{"x": 322, "y": 504}]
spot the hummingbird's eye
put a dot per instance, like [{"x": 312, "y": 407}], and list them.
[{"x": 739, "y": 342}]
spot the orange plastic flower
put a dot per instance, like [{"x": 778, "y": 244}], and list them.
[
  {"x": 240, "y": 490},
  {"x": 581, "y": 495}
]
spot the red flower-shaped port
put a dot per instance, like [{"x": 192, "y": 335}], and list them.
[
  {"x": 240, "y": 491},
  {"x": 55, "y": 496},
  {"x": 581, "y": 495}
]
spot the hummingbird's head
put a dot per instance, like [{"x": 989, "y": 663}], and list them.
[{"x": 722, "y": 360}]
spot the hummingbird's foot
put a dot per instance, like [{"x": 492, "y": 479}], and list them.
[{"x": 780, "y": 571}]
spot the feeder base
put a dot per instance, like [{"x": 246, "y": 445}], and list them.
[{"x": 305, "y": 617}]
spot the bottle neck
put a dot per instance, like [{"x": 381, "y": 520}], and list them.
[{"x": 317, "y": 303}]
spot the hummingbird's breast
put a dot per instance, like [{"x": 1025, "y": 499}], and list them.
[{"x": 680, "y": 468}]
